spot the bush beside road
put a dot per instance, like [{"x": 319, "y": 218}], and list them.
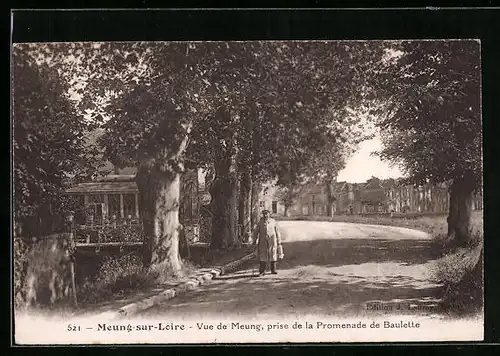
[{"x": 123, "y": 276}]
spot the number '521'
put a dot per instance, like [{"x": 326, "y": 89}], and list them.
[{"x": 72, "y": 327}]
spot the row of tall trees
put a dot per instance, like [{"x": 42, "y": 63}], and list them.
[{"x": 246, "y": 112}]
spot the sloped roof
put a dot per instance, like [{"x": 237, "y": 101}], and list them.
[
  {"x": 104, "y": 187},
  {"x": 116, "y": 178},
  {"x": 372, "y": 184},
  {"x": 122, "y": 183},
  {"x": 389, "y": 183},
  {"x": 339, "y": 186}
]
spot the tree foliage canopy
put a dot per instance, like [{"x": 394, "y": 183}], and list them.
[
  {"x": 49, "y": 138},
  {"x": 432, "y": 120},
  {"x": 281, "y": 94}
]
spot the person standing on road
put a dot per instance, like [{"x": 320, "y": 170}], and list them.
[{"x": 268, "y": 241}]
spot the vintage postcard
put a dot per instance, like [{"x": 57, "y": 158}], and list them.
[{"x": 247, "y": 192}]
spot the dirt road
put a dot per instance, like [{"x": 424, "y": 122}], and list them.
[{"x": 329, "y": 269}]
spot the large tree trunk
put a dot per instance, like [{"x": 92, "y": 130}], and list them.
[
  {"x": 245, "y": 206},
  {"x": 330, "y": 198},
  {"x": 459, "y": 217},
  {"x": 159, "y": 204},
  {"x": 224, "y": 192},
  {"x": 256, "y": 189},
  {"x": 158, "y": 181},
  {"x": 286, "y": 212}
]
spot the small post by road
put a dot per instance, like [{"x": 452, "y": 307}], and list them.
[{"x": 72, "y": 247}]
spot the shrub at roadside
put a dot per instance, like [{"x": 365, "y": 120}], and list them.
[
  {"x": 20, "y": 252},
  {"x": 116, "y": 277},
  {"x": 42, "y": 271},
  {"x": 105, "y": 234},
  {"x": 461, "y": 273},
  {"x": 120, "y": 276}
]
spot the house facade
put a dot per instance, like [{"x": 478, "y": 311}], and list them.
[
  {"x": 106, "y": 200},
  {"x": 269, "y": 200},
  {"x": 424, "y": 198},
  {"x": 347, "y": 198},
  {"x": 312, "y": 200},
  {"x": 114, "y": 199},
  {"x": 373, "y": 196}
]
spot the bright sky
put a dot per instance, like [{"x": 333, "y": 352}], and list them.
[{"x": 361, "y": 166}]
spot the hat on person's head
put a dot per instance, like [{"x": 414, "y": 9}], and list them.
[{"x": 265, "y": 211}]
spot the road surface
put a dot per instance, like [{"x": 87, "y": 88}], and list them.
[{"x": 329, "y": 269}]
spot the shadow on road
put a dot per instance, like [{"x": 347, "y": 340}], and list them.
[
  {"x": 338, "y": 252},
  {"x": 252, "y": 274},
  {"x": 240, "y": 294},
  {"x": 326, "y": 277}
]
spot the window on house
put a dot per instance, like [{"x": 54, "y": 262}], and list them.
[
  {"x": 129, "y": 205},
  {"x": 97, "y": 212},
  {"x": 95, "y": 208},
  {"x": 275, "y": 207},
  {"x": 261, "y": 204},
  {"x": 114, "y": 205}
]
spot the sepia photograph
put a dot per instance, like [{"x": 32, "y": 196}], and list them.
[{"x": 202, "y": 192}]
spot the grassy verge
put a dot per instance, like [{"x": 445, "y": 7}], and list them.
[
  {"x": 461, "y": 273},
  {"x": 459, "y": 270},
  {"x": 116, "y": 278}
]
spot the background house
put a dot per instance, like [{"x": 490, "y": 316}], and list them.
[
  {"x": 106, "y": 199},
  {"x": 114, "y": 199},
  {"x": 269, "y": 200},
  {"x": 348, "y": 198},
  {"x": 403, "y": 197},
  {"x": 312, "y": 200},
  {"x": 373, "y": 196}
]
